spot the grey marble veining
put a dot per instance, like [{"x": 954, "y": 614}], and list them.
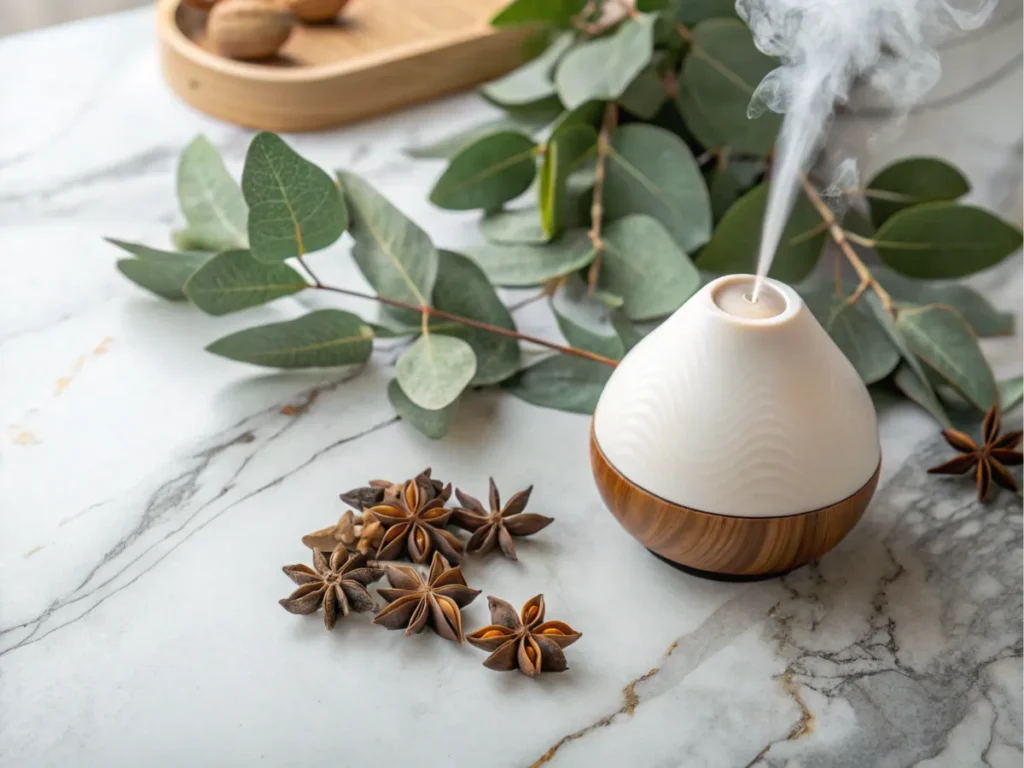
[{"x": 149, "y": 494}]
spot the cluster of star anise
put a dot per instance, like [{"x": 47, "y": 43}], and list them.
[{"x": 410, "y": 520}]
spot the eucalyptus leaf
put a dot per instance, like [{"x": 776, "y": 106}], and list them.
[
  {"x": 562, "y": 382},
  {"x": 910, "y": 377},
  {"x": 977, "y": 311},
  {"x": 642, "y": 264},
  {"x": 864, "y": 342},
  {"x": 294, "y": 207},
  {"x": 911, "y": 385},
  {"x": 1011, "y": 392},
  {"x": 602, "y": 69},
  {"x": 163, "y": 273},
  {"x": 729, "y": 184},
  {"x": 434, "y": 424},
  {"x": 509, "y": 227},
  {"x": 488, "y": 172},
  {"x": 523, "y": 265},
  {"x": 717, "y": 81},
  {"x": 537, "y": 12},
  {"x": 463, "y": 289},
  {"x": 588, "y": 113},
  {"x": 585, "y": 321},
  {"x": 234, "y": 280},
  {"x": 911, "y": 181},
  {"x": 567, "y": 150},
  {"x": 386, "y": 330},
  {"x": 627, "y": 331},
  {"x": 695, "y": 11},
  {"x": 941, "y": 338},
  {"x": 734, "y": 246},
  {"x": 447, "y": 146},
  {"x": 645, "y": 95},
  {"x": 210, "y": 199},
  {"x": 531, "y": 83},
  {"x": 945, "y": 240},
  {"x": 184, "y": 240},
  {"x": 396, "y": 256},
  {"x": 435, "y": 369},
  {"x": 322, "y": 339},
  {"x": 651, "y": 171}
]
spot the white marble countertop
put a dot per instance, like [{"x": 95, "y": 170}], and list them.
[{"x": 150, "y": 492}]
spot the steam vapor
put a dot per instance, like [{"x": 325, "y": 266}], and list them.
[{"x": 826, "y": 46}]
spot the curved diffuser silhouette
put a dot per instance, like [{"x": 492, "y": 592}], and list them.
[{"x": 740, "y": 445}]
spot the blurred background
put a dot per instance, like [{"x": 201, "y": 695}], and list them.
[{"x": 23, "y": 15}]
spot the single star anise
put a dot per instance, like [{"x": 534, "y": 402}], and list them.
[
  {"x": 337, "y": 584},
  {"x": 525, "y": 642},
  {"x": 415, "y": 525},
  {"x": 500, "y": 524},
  {"x": 989, "y": 461},
  {"x": 379, "y": 490},
  {"x": 414, "y": 603}
]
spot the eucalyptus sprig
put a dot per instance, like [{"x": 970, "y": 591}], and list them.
[{"x": 624, "y": 175}]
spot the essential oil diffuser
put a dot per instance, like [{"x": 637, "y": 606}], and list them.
[{"x": 736, "y": 440}]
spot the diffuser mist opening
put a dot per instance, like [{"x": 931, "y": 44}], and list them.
[{"x": 736, "y": 299}]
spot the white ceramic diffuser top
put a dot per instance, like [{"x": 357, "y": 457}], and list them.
[{"x": 751, "y": 417}]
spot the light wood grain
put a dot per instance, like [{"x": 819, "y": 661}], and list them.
[
  {"x": 380, "y": 56},
  {"x": 720, "y": 544}
]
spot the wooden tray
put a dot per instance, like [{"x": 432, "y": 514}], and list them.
[{"x": 382, "y": 55}]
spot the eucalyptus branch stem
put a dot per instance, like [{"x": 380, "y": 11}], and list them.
[
  {"x": 853, "y": 237},
  {"x": 611, "y": 118},
  {"x": 434, "y": 312},
  {"x": 867, "y": 280}
]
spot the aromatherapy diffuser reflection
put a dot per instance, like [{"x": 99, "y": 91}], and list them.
[{"x": 736, "y": 439}]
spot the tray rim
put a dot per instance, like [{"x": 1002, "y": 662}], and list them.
[{"x": 172, "y": 35}]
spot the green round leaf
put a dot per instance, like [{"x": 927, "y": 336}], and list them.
[
  {"x": 912, "y": 181},
  {"x": 531, "y": 83},
  {"x": 695, "y": 11},
  {"x": 435, "y": 369},
  {"x": 585, "y": 320},
  {"x": 396, "y": 256},
  {"x": 1011, "y": 392},
  {"x": 717, "y": 81},
  {"x": 294, "y": 207},
  {"x": 524, "y": 265},
  {"x": 941, "y": 338},
  {"x": 977, "y": 311},
  {"x": 488, "y": 172},
  {"x": 734, "y": 246},
  {"x": 447, "y": 146},
  {"x": 643, "y": 265},
  {"x": 645, "y": 95},
  {"x": 433, "y": 424},
  {"x": 463, "y": 289},
  {"x": 602, "y": 69},
  {"x": 568, "y": 150},
  {"x": 163, "y": 273},
  {"x": 510, "y": 227},
  {"x": 863, "y": 341},
  {"x": 919, "y": 391},
  {"x": 234, "y": 280},
  {"x": 537, "y": 12},
  {"x": 651, "y": 171},
  {"x": 562, "y": 382},
  {"x": 210, "y": 199},
  {"x": 322, "y": 339},
  {"x": 945, "y": 240},
  {"x": 729, "y": 184}
]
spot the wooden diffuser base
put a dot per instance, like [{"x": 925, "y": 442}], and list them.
[{"x": 721, "y": 544}]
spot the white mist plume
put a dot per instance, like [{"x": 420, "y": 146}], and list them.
[{"x": 825, "y": 47}]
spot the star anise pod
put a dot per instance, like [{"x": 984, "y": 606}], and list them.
[
  {"x": 415, "y": 525},
  {"x": 525, "y": 642},
  {"x": 989, "y": 461},
  {"x": 500, "y": 524},
  {"x": 336, "y": 584},
  {"x": 378, "y": 490},
  {"x": 415, "y": 603}
]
